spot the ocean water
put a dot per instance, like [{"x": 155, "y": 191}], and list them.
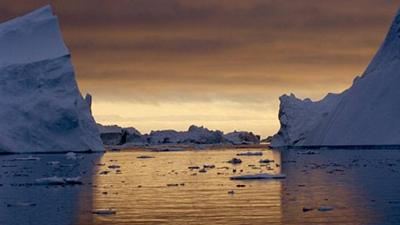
[{"x": 328, "y": 187}]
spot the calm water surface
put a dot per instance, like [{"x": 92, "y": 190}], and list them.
[{"x": 357, "y": 186}]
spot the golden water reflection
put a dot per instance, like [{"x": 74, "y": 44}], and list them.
[{"x": 165, "y": 190}]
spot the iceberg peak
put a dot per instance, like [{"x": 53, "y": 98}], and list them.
[
  {"x": 30, "y": 38},
  {"x": 38, "y": 90}
]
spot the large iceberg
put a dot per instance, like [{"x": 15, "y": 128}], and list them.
[
  {"x": 41, "y": 107},
  {"x": 367, "y": 114}
]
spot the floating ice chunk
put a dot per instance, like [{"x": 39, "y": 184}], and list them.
[
  {"x": 325, "y": 208},
  {"x": 266, "y": 161},
  {"x": 59, "y": 181},
  {"x": 208, "y": 166},
  {"x": 105, "y": 212},
  {"x": 305, "y": 209},
  {"x": 193, "y": 167},
  {"x": 145, "y": 157},
  {"x": 29, "y": 158},
  {"x": 235, "y": 161},
  {"x": 53, "y": 163},
  {"x": 114, "y": 167},
  {"x": 308, "y": 152},
  {"x": 203, "y": 170},
  {"x": 71, "y": 155},
  {"x": 250, "y": 154},
  {"x": 261, "y": 176},
  {"x": 21, "y": 204}
]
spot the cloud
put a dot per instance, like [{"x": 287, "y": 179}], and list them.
[{"x": 179, "y": 51}]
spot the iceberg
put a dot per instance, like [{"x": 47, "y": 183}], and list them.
[
  {"x": 242, "y": 137},
  {"x": 364, "y": 115},
  {"x": 42, "y": 109},
  {"x": 261, "y": 176},
  {"x": 114, "y": 135},
  {"x": 194, "y": 135}
]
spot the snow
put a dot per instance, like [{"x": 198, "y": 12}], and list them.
[
  {"x": 261, "y": 176},
  {"x": 364, "y": 115},
  {"x": 38, "y": 90}
]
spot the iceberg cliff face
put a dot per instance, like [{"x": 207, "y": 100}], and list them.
[
  {"x": 41, "y": 108},
  {"x": 299, "y": 117},
  {"x": 367, "y": 114}
]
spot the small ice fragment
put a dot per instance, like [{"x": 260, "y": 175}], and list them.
[
  {"x": 58, "y": 181},
  {"x": 250, "y": 154},
  {"x": 29, "y": 158},
  {"x": 21, "y": 204},
  {"x": 208, "y": 166},
  {"x": 72, "y": 180},
  {"x": 193, "y": 167},
  {"x": 261, "y": 176},
  {"x": 53, "y": 163},
  {"x": 105, "y": 212},
  {"x": 235, "y": 161},
  {"x": 71, "y": 155},
  {"x": 145, "y": 157},
  {"x": 309, "y": 152},
  {"x": 266, "y": 161},
  {"x": 305, "y": 209},
  {"x": 203, "y": 170},
  {"x": 325, "y": 208},
  {"x": 114, "y": 167}
]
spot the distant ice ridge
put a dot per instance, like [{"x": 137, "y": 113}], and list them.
[
  {"x": 367, "y": 114},
  {"x": 41, "y": 107},
  {"x": 115, "y": 135}
]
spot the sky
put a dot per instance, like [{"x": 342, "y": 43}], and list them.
[{"x": 167, "y": 64}]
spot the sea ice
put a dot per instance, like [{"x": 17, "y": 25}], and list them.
[{"x": 262, "y": 176}]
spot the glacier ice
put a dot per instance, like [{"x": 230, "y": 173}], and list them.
[
  {"x": 42, "y": 109},
  {"x": 114, "y": 135},
  {"x": 367, "y": 114}
]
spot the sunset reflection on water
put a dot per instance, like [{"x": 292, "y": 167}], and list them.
[{"x": 163, "y": 190}]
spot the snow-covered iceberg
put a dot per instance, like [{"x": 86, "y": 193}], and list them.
[
  {"x": 367, "y": 114},
  {"x": 41, "y": 107},
  {"x": 195, "y": 135},
  {"x": 300, "y": 117},
  {"x": 115, "y": 135},
  {"x": 242, "y": 137}
]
